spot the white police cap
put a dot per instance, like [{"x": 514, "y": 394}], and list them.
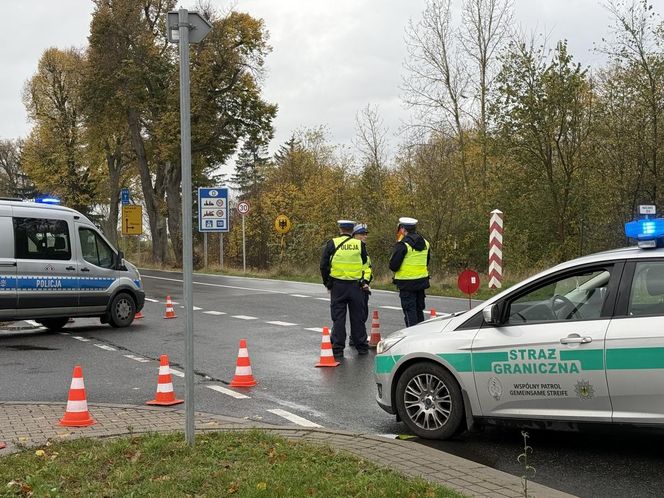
[
  {"x": 407, "y": 222},
  {"x": 346, "y": 224}
]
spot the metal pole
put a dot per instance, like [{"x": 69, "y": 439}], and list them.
[
  {"x": 244, "y": 249},
  {"x": 221, "y": 249},
  {"x": 205, "y": 250},
  {"x": 187, "y": 261}
]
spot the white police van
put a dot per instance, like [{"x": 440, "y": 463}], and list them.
[
  {"x": 55, "y": 264},
  {"x": 580, "y": 342}
]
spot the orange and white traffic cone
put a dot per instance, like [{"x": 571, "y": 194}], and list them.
[
  {"x": 76, "y": 414},
  {"x": 165, "y": 395},
  {"x": 326, "y": 355},
  {"x": 375, "y": 330},
  {"x": 432, "y": 313},
  {"x": 170, "y": 312},
  {"x": 138, "y": 315},
  {"x": 243, "y": 376}
]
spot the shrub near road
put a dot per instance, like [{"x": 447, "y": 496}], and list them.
[{"x": 249, "y": 464}]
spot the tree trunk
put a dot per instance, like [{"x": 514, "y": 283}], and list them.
[{"x": 174, "y": 205}]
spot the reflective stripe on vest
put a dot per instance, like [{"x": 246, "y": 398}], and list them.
[
  {"x": 346, "y": 264},
  {"x": 414, "y": 263},
  {"x": 367, "y": 272}
]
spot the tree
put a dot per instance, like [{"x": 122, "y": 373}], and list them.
[
  {"x": 14, "y": 182},
  {"x": 54, "y": 154}
]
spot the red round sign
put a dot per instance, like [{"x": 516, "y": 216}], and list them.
[{"x": 468, "y": 281}]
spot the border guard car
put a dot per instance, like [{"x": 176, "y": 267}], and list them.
[
  {"x": 580, "y": 342},
  {"x": 55, "y": 264}
]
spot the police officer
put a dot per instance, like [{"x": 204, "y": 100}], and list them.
[
  {"x": 409, "y": 262},
  {"x": 341, "y": 268},
  {"x": 361, "y": 232}
]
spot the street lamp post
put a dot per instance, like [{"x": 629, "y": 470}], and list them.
[{"x": 186, "y": 27}]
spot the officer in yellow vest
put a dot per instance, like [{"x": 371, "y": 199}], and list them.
[
  {"x": 341, "y": 268},
  {"x": 409, "y": 262},
  {"x": 361, "y": 232}
]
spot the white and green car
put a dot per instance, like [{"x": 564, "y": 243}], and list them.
[{"x": 580, "y": 342}]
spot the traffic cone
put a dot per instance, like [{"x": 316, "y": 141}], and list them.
[
  {"x": 138, "y": 315},
  {"x": 170, "y": 312},
  {"x": 243, "y": 376},
  {"x": 326, "y": 355},
  {"x": 432, "y": 313},
  {"x": 165, "y": 395},
  {"x": 76, "y": 414},
  {"x": 375, "y": 330}
]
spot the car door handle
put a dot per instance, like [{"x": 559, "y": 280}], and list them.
[
  {"x": 85, "y": 269},
  {"x": 70, "y": 268},
  {"x": 575, "y": 339}
]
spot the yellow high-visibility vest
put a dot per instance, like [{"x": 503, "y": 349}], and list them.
[
  {"x": 346, "y": 263},
  {"x": 367, "y": 272},
  {"x": 414, "y": 264}
]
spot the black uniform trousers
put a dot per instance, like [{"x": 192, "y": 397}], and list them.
[
  {"x": 412, "y": 304},
  {"x": 347, "y": 295}
]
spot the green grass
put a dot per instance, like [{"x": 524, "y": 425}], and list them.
[{"x": 251, "y": 464}]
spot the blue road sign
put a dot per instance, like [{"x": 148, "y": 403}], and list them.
[
  {"x": 213, "y": 209},
  {"x": 124, "y": 195}
]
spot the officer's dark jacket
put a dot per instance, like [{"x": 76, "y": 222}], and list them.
[
  {"x": 416, "y": 241},
  {"x": 326, "y": 258}
]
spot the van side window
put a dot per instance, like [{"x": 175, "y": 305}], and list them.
[
  {"x": 95, "y": 250},
  {"x": 41, "y": 238}
]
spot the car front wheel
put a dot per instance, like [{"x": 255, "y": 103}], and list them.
[
  {"x": 428, "y": 399},
  {"x": 122, "y": 310}
]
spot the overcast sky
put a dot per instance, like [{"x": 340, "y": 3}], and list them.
[{"x": 329, "y": 58}]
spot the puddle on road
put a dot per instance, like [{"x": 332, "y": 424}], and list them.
[{"x": 25, "y": 347}]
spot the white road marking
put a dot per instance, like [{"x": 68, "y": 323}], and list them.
[
  {"x": 140, "y": 359},
  {"x": 105, "y": 347},
  {"x": 79, "y": 338},
  {"x": 390, "y": 307},
  {"x": 63, "y": 333},
  {"x": 33, "y": 323},
  {"x": 282, "y": 324},
  {"x": 315, "y": 329},
  {"x": 298, "y": 295},
  {"x": 388, "y": 436},
  {"x": 195, "y": 308},
  {"x": 151, "y": 300},
  {"x": 323, "y": 298},
  {"x": 214, "y": 313},
  {"x": 245, "y": 317},
  {"x": 296, "y": 419},
  {"x": 223, "y": 390},
  {"x": 177, "y": 373}
]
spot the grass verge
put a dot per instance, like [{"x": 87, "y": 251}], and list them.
[{"x": 242, "y": 464}]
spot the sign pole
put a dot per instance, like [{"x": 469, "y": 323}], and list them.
[
  {"x": 496, "y": 249},
  {"x": 221, "y": 250},
  {"x": 205, "y": 250},
  {"x": 244, "y": 249}
]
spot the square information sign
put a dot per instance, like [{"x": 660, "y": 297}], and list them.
[{"x": 213, "y": 209}]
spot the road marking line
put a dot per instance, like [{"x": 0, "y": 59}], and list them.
[
  {"x": 214, "y": 313},
  {"x": 63, "y": 333},
  {"x": 323, "y": 298},
  {"x": 283, "y": 324},
  {"x": 195, "y": 308},
  {"x": 223, "y": 390},
  {"x": 298, "y": 295},
  {"x": 151, "y": 300},
  {"x": 177, "y": 373},
  {"x": 244, "y": 317},
  {"x": 140, "y": 359},
  {"x": 105, "y": 347},
  {"x": 315, "y": 329},
  {"x": 296, "y": 419},
  {"x": 79, "y": 338},
  {"x": 33, "y": 323},
  {"x": 390, "y": 307}
]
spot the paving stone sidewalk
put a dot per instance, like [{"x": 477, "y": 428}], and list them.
[{"x": 33, "y": 424}]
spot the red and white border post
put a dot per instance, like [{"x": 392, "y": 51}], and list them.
[{"x": 496, "y": 249}]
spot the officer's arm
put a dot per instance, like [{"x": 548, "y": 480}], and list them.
[
  {"x": 363, "y": 253},
  {"x": 397, "y": 256},
  {"x": 325, "y": 261}
]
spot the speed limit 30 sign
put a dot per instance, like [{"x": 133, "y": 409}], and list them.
[{"x": 243, "y": 208}]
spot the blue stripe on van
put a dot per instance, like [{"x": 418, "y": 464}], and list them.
[
  {"x": 53, "y": 283},
  {"x": 7, "y": 283}
]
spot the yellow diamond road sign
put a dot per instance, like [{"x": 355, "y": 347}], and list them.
[
  {"x": 282, "y": 224},
  {"x": 132, "y": 219}
]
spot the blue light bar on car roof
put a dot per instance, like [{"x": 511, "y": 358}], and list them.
[
  {"x": 645, "y": 231},
  {"x": 47, "y": 200}
]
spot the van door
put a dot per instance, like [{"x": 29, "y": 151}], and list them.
[
  {"x": 46, "y": 267},
  {"x": 96, "y": 274},
  {"x": 7, "y": 269}
]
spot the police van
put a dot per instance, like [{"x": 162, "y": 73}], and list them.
[
  {"x": 55, "y": 264},
  {"x": 580, "y": 342}
]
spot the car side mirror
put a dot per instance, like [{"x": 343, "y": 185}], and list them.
[
  {"x": 118, "y": 261},
  {"x": 491, "y": 314}
]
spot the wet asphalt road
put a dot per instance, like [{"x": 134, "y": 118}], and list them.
[{"x": 35, "y": 365}]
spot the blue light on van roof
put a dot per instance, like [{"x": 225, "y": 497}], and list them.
[
  {"x": 47, "y": 200},
  {"x": 646, "y": 229}
]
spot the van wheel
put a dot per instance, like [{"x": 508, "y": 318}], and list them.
[
  {"x": 53, "y": 323},
  {"x": 428, "y": 400},
  {"x": 122, "y": 310}
]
